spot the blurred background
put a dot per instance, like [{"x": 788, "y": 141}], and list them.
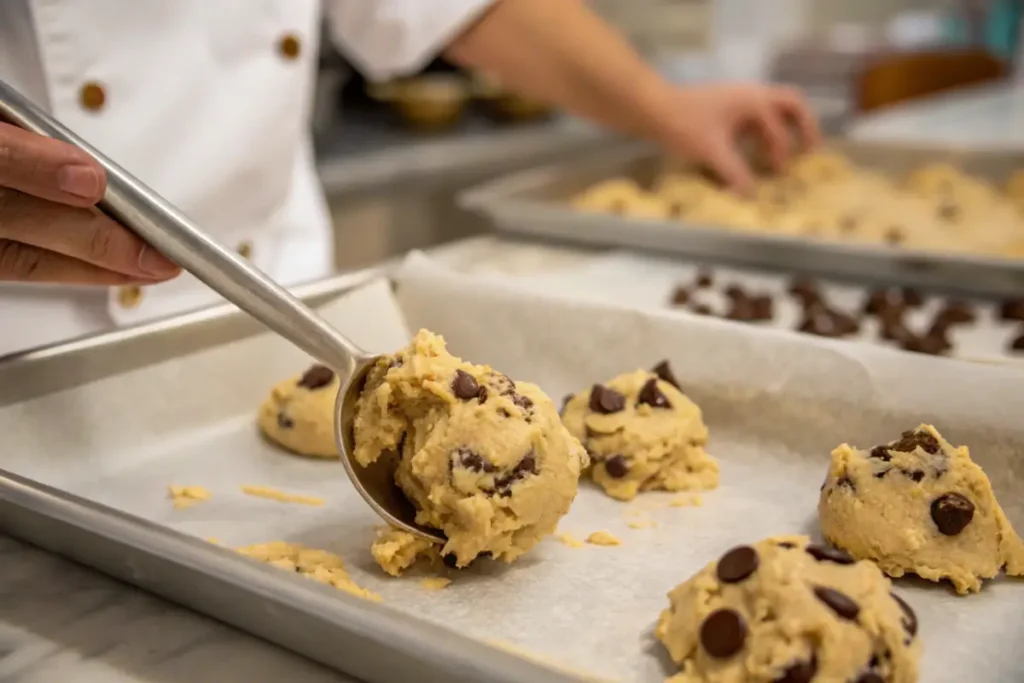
[{"x": 394, "y": 155}]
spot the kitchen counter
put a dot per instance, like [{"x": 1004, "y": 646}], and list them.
[{"x": 987, "y": 117}]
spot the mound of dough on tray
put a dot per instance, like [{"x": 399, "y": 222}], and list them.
[
  {"x": 642, "y": 433},
  {"x": 299, "y": 413},
  {"x": 483, "y": 458},
  {"x": 919, "y": 505},
  {"x": 825, "y": 196},
  {"x": 786, "y": 611}
]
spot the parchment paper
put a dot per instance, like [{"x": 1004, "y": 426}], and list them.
[{"x": 775, "y": 404}]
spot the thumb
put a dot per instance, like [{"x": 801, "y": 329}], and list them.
[{"x": 724, "y": 159}]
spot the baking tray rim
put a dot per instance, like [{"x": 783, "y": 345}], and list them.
[{"x": 501, "y": 199}]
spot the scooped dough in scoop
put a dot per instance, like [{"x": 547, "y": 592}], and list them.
[{"x": 484, "y": 459}]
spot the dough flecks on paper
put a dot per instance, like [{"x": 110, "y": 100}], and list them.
[
  {"x": 785, "y": 610},
  {"x": 919, "y": 505},
  {"x": 396, "y": 550},
  {"x": 483, "y": 458},
  {"x": 642, "y": 434},
  {"x": 319, "y": 565}
]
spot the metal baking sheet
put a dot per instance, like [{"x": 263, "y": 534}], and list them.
[
  {"x": 775, "y": 404},
  {"x": 535, "y": 202}
]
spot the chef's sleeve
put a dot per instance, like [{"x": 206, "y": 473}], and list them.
[{"x": 387, "y": 38}]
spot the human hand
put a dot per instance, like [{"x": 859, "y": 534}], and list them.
[
  {"x": 50, "y": 230},
  {"x": 706, "y": 123}
]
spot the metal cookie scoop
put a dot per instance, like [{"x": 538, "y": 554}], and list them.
[{"x": 157, "y": 222}]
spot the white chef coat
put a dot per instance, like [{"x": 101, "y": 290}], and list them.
[{"x": 208, "y": 102}]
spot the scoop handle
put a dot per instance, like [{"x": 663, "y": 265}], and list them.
[{"x": 159, "y": 223}]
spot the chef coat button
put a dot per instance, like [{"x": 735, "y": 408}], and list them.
[
  {"x": 289, "y": 46},
  {"x": 92, "y": 96},
  {"x": 244, "y": 249},
  {"x": 129, "y": 297}
]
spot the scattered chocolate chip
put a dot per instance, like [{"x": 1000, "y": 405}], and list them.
[
  {"x": 723, "y": 633},
  {"x": 740, "y": 310},
  {"x": 737, "y": 564},
  {"x": 801, "y": 672},
  {"x": 824, "y": 322},
  {"x": 823, "y": 553},
  {"x": 1012, "y": 309},
  {"x": 482, "y": 394},
  {"x": 616, "y": 466},
  {"x": 681, "y": 296},
  {"x": 881, "y": 453},
  {"x": 916, "y": 475},
  {"x": 805, "y": 290},
  {"x": 700, "y": 309},
  {"x": 565, "y": 402},
  {"x": 465, "y": 386},
  {"x": 894, "y": 236},
  {"x": 957, "y": 312},
  {"x": 317, "y": 377},
  {"x": 705, "y": 279},
  {"x": 504, "y": 384},
  {"x": 467, "y": 459},
  {"x": 845, "y": 481},
  {"x": 929, "y": 345},
  {"x": 664, "y": 372},
  {"x": 912, "y": 297},
  {"x": 735, "y": 291},
  {"x": 951, "y": 513},
  {"x": 840, "y": 603},
  {"x": 522, "y": 401},
  {"x": 652, "y": 396},
  {"x": 606, "y": 401},
  {"x": 910, "y": 618},
  {"x": 881, "y": 474},
  {"x": 895, "y": 331},
  {"x": 884, "y": 301},
  {"x": 762, "y": 307},
  {"x": 1017, "y": 344},
  {"x": 526, "y": 466},
  {"x": 284, "y": 422}
]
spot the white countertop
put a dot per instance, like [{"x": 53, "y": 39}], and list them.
[{"x": 987, "y": 117}]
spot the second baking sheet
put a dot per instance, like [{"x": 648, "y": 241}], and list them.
[{"x": 775, "y": 406}]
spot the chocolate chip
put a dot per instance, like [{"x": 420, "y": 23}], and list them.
[
  {"x": 787, "y": 545},
  {"x": 957, "y": 312},
  {"x": 737, "y": 564},
  {"x": 881, "y": 475},
  {"x": 565, "y": 401},
  {"x": 317, "y": 377},
  {"x": 526, "y": 466},
  {"x": 522, "y": 401},
  {"x": 910, "y": 618},
  {"x": 465, "y": 386},
  {"x": 651, "y": 395},
  {"x": 840, "y": 603},
  {"x": 1017, "y": 344},
  {"x": 805, "y": 290},
  {"x": 665, "y": 374},
  {"x": 845, "y": 481},
  {"x": 910, "y": 439},
  {"x": 482, "y": 394},
  {"x": 894, "y": 236},
  {"x": 823, "y": 553},
  {"x": 912, "y": 297},
  {"x": 741, "y": 310},
  {"x": 705, "y": 279},
  {"x": 881, "y": 453},
  {"x": 916, "y": 475},
  {"x": 606, "y": 401},
  {"x": 824, "y": 322},
  {"x": 284, "y": 422},
  {"x": 951, "y": 513},
  {"x": 723, "y": 633},
  {"x": 1012, "y": 309},
  {"x": 450, "y": 560},
  {"x": 870, "y": 677},
  {"x": 895, "y": 331},
  {"x": 467, "y": 459},
  {"x": 680, "y": 296},
  {"x": 616, "y": 466},
  {"x": 932, "y": 345},
  {"x": 735, "y": 291},
  {"x": 762, "y": 307},
  {"x": 801, "y": 672},
  {"x": 700, "y": 309}
]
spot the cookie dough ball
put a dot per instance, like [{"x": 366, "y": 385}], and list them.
[
  {"x": 722, "y": 209},
  {"x": 299, "y": 413},
  {"x": 646, "y": 206},
  {"x": 642, "y": 434},
  {"x": 1015, "y": 186},
  {"x": 820, "y": 167},
  {"x": 935, "y": 180},
  {"x": 484, "y": 459},
  {"x": 786, "y": 611},
  {"x": 681, "y": 193},
  {"x": 610, "y": 196},
  {"x": 919, "y": 505}
]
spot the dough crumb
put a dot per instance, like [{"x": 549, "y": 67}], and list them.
[
  {"x": 642, "y": 523},
  {"x": 318, "y": 565},
  {"x": 603, "y": 538},
  {"x": 186, "y": 496},
  {"x": 568, "y": 539},
  {"x": 214, "y": 541},
  {"x": 686, "y": 501},
  {"x": 396, "y": 550},
  {"x": 281, "y": 496},
  {"x": 435, "y": 583}
]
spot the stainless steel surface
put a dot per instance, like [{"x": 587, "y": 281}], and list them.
[
  {"x": 533, "y": 202},
  {"x": 175, "y": 235},
  {"x": 348, "y": 634}
]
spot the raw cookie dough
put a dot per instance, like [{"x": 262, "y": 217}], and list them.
[
  {"x": 396, "y": 550},
  {"x": 787, "y": 611},
  {"x": 642, "y": 434},
  {"x": 299, "y": 413},
  {"x": 483, "y": 458},
  {"x": 318, "y": 565},
  {"x": 919, "y": 505}
]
